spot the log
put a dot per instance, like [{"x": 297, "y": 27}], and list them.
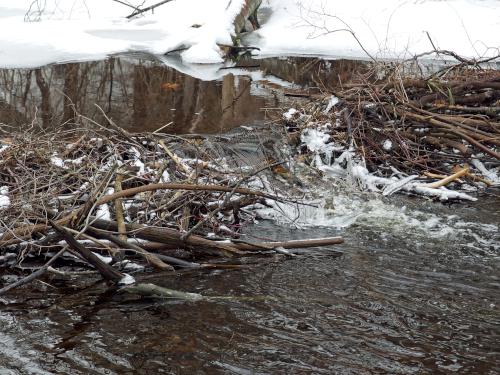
[
  {"x": 107, "y": 272},
  {"x": 155, "y": 291},
  {"x": 294, "y": 244},
  {"x": 172, "y": 237},
  {"x": 248, "y": 12},
  {"x": 445, "y": 181},
  {"x": 153, "y": 259}
]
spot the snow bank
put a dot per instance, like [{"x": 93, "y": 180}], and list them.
[
  {"x": 384, "y": 28},
  {"x": 93, "y": 29}
]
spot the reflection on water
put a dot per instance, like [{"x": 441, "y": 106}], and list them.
[{"x": 143, "y": 94}]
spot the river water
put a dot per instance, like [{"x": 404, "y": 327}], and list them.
[{"x": 414, "y": 289}]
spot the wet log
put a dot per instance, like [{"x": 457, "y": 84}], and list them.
[
  {"x": 155, "y": 291},
  {"x": 294, "y": 244},
  {"x": 153, "y": 259},
  {"x": 172, "y": 237},
  {"x": 107, "y": 272}
]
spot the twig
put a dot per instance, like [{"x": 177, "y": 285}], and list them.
[{"x": 140, "y": 11}]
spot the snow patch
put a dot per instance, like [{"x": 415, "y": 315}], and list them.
[
  {"x": 387, "y": 145},
  {"x": 127, "y": 280},
  {"x": 104, "y": 259},
  {"x": 331, "y": 103},
  {"x": 4, "y": 198}
]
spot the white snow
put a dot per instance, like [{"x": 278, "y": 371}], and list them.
[
  {"x": 288, "y": 115},
  {"x": 331, "y": 103},
  {"x": 130, "y": 266},
  {"x": 106, "y": 260},
  {"x": 315, "y": 139},
  {"x": 387, "y": 145},
  {"x": 383, "y": 28},
  {"x": 165, "y": 176},
  {"x": 103, "y": 210},
  {"x": 4, "y": 198},
  {"x": 57, "y": 161},
  {"x": 491, "y": 175},
  {"x": 127, "y": 280},
  {"x": 93, "y": 29}
]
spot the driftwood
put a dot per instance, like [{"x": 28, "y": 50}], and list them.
[
  {"x": 445, "y": 181},
  {"x": 107, "y": 272},
  {"x": 403, "y": 126},
  {"x": 153, "y": 259},
  {"x": 171, "y": 237},
  {"x": 155, "y": 291},
  {"x": 169, "y": 193},
  {"x": 294, "y": 244}
]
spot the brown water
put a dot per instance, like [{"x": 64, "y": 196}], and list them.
[
  {"x": 141, "y": 93},
  {"x": 400, "y": 301},
  {"x": 414, "y": 290}
]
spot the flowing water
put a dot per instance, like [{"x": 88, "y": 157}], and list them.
[{"x": 414, "y": 289}]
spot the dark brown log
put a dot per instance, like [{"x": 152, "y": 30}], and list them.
[{"x": 107, "y": 272}]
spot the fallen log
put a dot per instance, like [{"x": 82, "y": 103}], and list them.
[
  {"x": 155, "y": 291},
  {"x": 153, "y": 259},
  {"x": 172, "y": 237},
  {"x": 293, "y": 244},
  {"x": 107, "y": 272}
]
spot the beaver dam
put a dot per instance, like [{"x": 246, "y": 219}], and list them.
[{"x": 338, "y": 166}]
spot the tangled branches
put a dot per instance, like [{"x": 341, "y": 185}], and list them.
[
  {"x": 424, "y": 127},
  {"x": 168, "y": 200}
]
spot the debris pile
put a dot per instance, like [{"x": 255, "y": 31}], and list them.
[
  {"x": 117, "y": 202},
  {"x": 417, "y": 135}
]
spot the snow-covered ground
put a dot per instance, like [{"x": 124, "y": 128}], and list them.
[
  {"x": 91, "y": 29},
  {"x": 382, "y": 28}
]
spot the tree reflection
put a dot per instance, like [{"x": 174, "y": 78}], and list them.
[{"x": 143, "y": 95}]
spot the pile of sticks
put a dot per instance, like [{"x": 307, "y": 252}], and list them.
[
  {"x": 103, "y": 198},
  {"x": 434, "y": 126}
]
